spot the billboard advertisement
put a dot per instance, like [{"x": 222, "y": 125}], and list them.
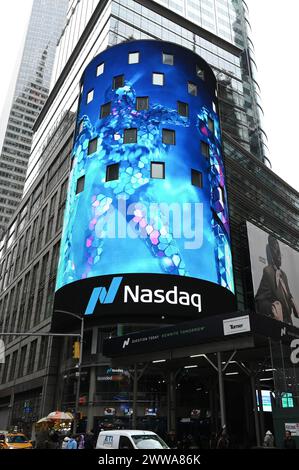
[
  {"x": 146, "y": 226},
  {"x": 275, "y": 276}
]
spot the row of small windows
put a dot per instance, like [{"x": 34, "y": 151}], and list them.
[
  {"x": 157, "y": 79},
  {"x": 157, "y": 171},
  {"x": 130, "y": 137},
  {"x": 168, "y": 138},
  {"x": 142, "y": 104},
  {"x": 167, "y": 59}
]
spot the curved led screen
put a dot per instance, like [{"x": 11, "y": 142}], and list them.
[{"x": 146, "y": 231}]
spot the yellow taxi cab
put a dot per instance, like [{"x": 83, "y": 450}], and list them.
[{"x": 14, "y": 440}]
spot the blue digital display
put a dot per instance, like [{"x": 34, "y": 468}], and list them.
[{"x": 147, "y": 188}]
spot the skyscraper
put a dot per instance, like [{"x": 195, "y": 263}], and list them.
[
  {"x": 216, "y": 31},
  {"x": 31, "y": 91}
]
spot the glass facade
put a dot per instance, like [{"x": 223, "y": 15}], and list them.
[
  {"x": 226, "y": 19},
  {"x": 116, "y": 21},
  {"x": 31, "y": 92}
]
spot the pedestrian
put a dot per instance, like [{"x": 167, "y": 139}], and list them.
[
  {"x": 72, "y": 443},
  {"x": 81, "y": 442},
  {"x": 54, "y": 439},
  {"x": 269, "y": 439},
  {"x": 289, "y": 442},
  {"x": 89, "y": 440},
  {"x": 192, "y": 443},
  {"x": 213, "y": 441},
  {"x": 223, "y": 441},
  {"x": 185, "y": 442},
  {"x": 65, "y": 442}
]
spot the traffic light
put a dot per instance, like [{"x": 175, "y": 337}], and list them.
[{"x": 76, "y": 350}]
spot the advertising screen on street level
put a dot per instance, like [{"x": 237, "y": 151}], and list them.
[
  {"x": 266, "y": 401},
  {"x": 146, "y": 220},
  {"x": 275, "y": 276}
]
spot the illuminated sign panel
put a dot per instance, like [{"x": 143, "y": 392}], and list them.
[
  {"x": 275, "y": 276},
  {"x": 146, "y": 225}
]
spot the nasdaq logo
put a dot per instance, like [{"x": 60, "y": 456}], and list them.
[
  {"x": 145, "y": 296},
  {"x": 102, "y": 295},
  {"x": 126, "y": 343}
]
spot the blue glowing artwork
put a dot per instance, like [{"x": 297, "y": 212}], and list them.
[{"x": 142, "y": 221}]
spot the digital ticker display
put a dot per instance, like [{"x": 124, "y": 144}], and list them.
[{"x": 146, "y": 210}]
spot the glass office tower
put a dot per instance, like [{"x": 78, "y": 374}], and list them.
[
  {"x": 31, "y": 91},
  {"x": 216, "y": 31}
]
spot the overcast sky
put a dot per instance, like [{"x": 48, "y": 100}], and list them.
[{"x": 275, "y": 36}]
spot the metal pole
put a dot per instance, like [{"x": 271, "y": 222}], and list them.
[
  {"x": 91, "y": 393},
  {"x": 46, "y": 379},
  {"x": 171, "y": 424},
  {"x": 256, "y": 418},
  {"x": 221, "y": 391},
  {"x": 261, "y": 411},
  {"x": 79, "y": 375},
  {"x": 135, "y": 391}
]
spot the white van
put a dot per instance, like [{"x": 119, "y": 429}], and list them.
[{"x": 129, "y": 439}]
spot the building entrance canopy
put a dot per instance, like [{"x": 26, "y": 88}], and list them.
[{"x": 238, "y": 330}]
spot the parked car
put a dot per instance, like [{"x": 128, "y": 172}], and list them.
[
  {"x": 14, "y": 440},
  {"x": 130, "y": 439}
]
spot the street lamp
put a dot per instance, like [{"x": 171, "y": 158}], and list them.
[{"x": 81, "y": 318}]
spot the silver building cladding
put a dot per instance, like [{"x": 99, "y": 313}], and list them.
[{"x": 39, "y": 370}]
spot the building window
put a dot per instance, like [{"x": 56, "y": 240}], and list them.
[
  {"x": 92, "y": 146},
  {"x": 100, "y": 69},
  {"x": 183, "y": 109},
  {"x": 90, "y": 95},
  {"x": 13, "y": 366},
  {"x": 130, "y": 136},
  {"x": 158, "y": 78},
  {"x": 112, "y": 172},
  {"x": 105, "y": 110},
  {"x": 5, "y": 370},
  {"x": 168, "y": 136},
  {"x": 118, "y": 82},
  {"x": 80, "y": 184},
  {"x": 43, "y": 353},
  {"x": 125, "y": 443},
  {"x": 211, "y": 124},
  {"x": 133, "y": 58},
  {"x": 142, "y": 103},
  {"x": 200, "y": 72},
  {"x": 158, "y": 170},
  {"x": 32, "y": 357},
  {"x": 168, "y": 59},
  {"x": 196, "y": 178},
  {"x": 192, "y": 89},
  {"x": 21, "y": 372},
  {"x": 204, "y": 147}
]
